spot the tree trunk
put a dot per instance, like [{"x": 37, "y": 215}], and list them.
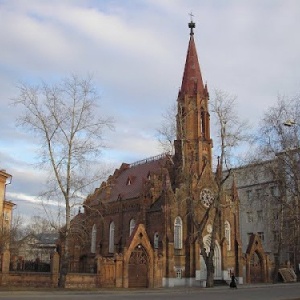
[
  {"x": 210, "y": 272},
  {"x": 64, "y": 265}
]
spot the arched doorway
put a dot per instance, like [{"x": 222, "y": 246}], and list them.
[
  {"x": 138, "y": 268},
  {"x": 256, "y": 271},
  {"x": 216, "y": 259},
  {"x": 256, "y": 261}
]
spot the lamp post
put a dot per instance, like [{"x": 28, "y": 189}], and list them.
[{"x": 291, "y": 123}]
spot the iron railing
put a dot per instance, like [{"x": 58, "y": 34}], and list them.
[{"x": 29, "y": 266}]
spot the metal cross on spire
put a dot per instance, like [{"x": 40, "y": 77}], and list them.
[
  {"x": 191, "y": 24},
  {"x": 191, "y": 15}
]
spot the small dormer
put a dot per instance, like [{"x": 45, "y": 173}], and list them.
[{"x": 130, "y": 180}]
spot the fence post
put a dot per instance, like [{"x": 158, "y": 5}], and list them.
[
  {"x": 5, "y": 267},
  {"x": 119, "y": 270},
  {"x": 99, "y": 271},
  {"x": 54, "y": 269}
]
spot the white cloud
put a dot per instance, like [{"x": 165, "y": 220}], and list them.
[{"x": 136, "y": 52}]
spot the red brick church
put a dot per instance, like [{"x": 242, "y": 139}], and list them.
[{"x": 138, "y": 222}]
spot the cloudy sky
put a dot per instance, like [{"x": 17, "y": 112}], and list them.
[{"x": 135, "y": 50}]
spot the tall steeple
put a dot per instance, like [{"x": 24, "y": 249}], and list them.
[
  {"x": 193, "y": 145},
  {"x": 192, "y": 79}
]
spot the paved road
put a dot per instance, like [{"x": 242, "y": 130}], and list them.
[{"x": 262, "y": 292}]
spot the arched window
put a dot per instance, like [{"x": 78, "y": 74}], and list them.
[
  {"x": 203, "y": 123},
  {"x": 93, "y": 239},
  {"x": 228, "y": 235},
  {"x": 156, "y": 239},
  {"x": 131, "y": 226},
  {"x": 111, "y": 246},
  {"x": 178, "y": 233}
]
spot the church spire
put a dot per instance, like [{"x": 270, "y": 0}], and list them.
[
  {"x": 193, "y": 146},
  {"x": 192, "y": 79}
]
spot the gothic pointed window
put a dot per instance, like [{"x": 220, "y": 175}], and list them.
[
  {"x": 178, "y": 233},
  {"x": 93, "y": 239},
  {"x": 156, "y": 240},
  {"x": 203, "y": 128},
  {"x": 131, "y": 226},
  {"x": 111, "y": 246},
  {"x": 228, "y": 234}
]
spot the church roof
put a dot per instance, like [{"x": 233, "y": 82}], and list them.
[
  {"x": 192, "y": 79},
  {"x": 128, "y": 181}
]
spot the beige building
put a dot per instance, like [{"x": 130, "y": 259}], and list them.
[{"x": 5, "y": 211}]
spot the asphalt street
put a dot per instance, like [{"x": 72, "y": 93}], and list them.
[{"x": 263, "y": 292}]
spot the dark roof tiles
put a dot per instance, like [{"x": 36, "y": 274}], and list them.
[{"x": 128, "y": 181}]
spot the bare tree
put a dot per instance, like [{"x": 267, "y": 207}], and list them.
[
  {"x": 38, "y": 225},
  {"x": 231, "y": 132},
  {"x": 9, "y": 235},
  {"x": 167, "y": 131},
  {"x": 63, "y": 119},
  {"x": 279, "y": 141}
]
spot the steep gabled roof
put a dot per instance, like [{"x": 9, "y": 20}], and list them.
[{"x": 117, "y": 186}]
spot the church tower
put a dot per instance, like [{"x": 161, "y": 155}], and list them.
[{"x": 193, "y": 146}]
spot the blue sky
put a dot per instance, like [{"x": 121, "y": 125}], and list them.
[{"x": 136, "y": 52}]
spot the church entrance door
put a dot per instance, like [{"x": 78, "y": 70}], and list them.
[
  {"x": 217, "y": 259},
  {"x": 138, "y": 268},
  {"x": 256, "y": 269}
]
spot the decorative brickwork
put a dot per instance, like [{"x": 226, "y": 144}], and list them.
[{"x": 158, "y": 195}]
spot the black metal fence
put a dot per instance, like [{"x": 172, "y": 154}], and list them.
[{"x": 29, "y": 266}]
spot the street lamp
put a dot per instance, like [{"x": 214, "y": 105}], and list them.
[{"x": 289, "y": 123}]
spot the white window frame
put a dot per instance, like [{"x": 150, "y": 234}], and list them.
[
  {"x": 131, "y": 226},
  {"x": 93, "y": 239},
  {"x": 249, "y": 217},
  {"x": 178, "y": 233},
  {"x": 111, "y": 246},
  {"x": 156, "y": 240},
  {"x": 228, "y": 234},
  {"x": 178, "y": 273}
]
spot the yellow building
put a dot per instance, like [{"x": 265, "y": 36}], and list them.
[{"x": 5, "y": 211}]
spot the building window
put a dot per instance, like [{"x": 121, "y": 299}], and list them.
[
  {"x": 93, "y": 239},
  {"x": 275, "y": 236},
  {"x": 178, "y": 233},
  {"x": 111, "y": 246},
  {"x": 249, "y": 195},
  {"x": 275, "y": 214},
  {"x": 179, "y": 273},
  {"x": 131, "y": 226},
  {"x": 261, "y": 236},
  {"x": 156, "y": 239},
  {"x": 249, "y": 216},
  {"x": 6, "y": 216},
  {"x": 228, "y": 235},
  {"x": 259, "y": 215},
  {"x": 258, "y": 193},
  {"x": 274, "y": 191},
  {"x": 203, "y": 128}
]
